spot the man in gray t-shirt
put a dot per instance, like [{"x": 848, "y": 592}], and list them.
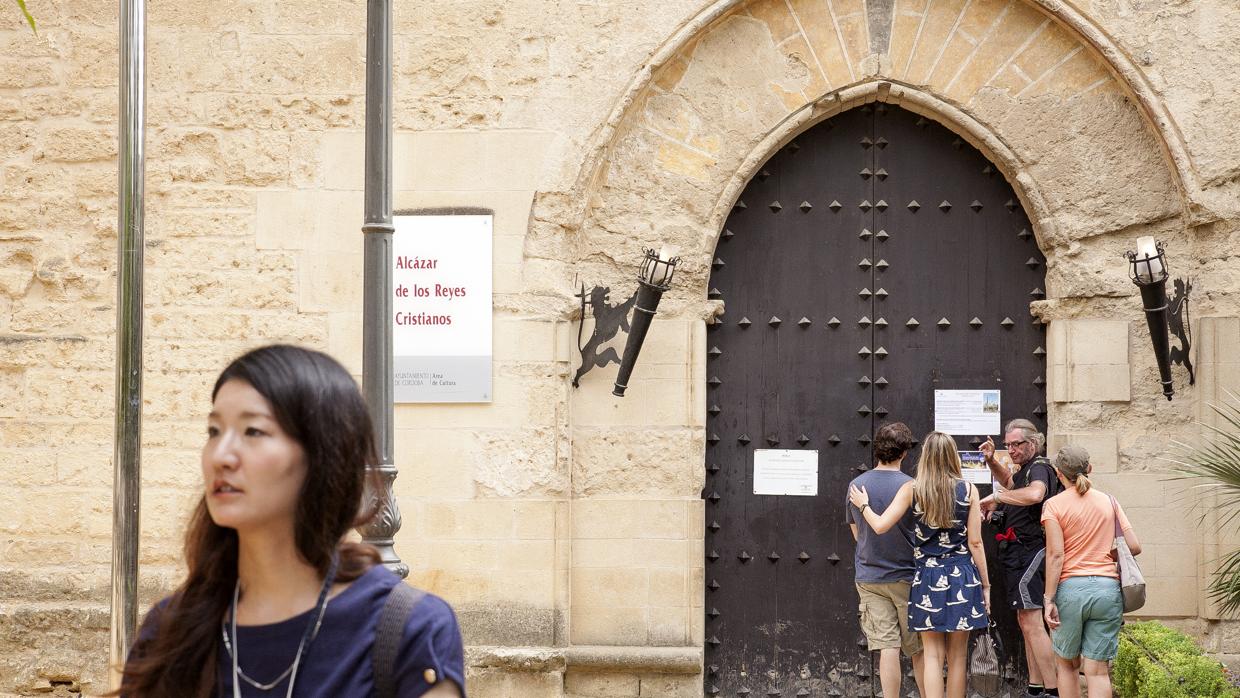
[{"x": 884, "y": 562}]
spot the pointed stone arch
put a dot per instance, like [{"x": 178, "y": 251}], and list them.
[{"x": 1031, "y": 83}]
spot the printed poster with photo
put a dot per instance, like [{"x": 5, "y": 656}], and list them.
[
  {"x": 967, "y": 412},
  {"x": 973, "y": 466}
]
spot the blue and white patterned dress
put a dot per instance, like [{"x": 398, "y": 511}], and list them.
[{"x": 947, "y": 589}]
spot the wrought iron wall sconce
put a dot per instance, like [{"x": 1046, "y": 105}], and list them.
[
  {"x": 1148, "y": 270},
  {"x": 653, "y": 279}
]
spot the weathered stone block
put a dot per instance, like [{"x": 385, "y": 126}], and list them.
[
  {"x": 507, "y": 625},
  {"x": 668, "y": 587},
  {"x": 1053, "y": 44},
  {"x": 818, "y": 27},
  {"x": 1134, "y": 489},
  {"x": 1154, "y": 526},
  {"x": 608, "y": 626},
  {"x": 342, "y": 156},
  {"x": 529, "y": 466},
  {"x": 1170, "y": 596},
  {"x": 285, "y": 219},
  {"x": 1088, "y": 361},
  {"x": 935, "y": 31},
  {"x": 1102, "y": 447},
  {"x": 471, "y": 160},
  {"x": 777, "y": 18},
  {"x": 435, "y": 463},
  {"x": 1170, "y": 560},
  {"x": 338, "y": 217},
  {"x": 523, "y": 588},
  {"x": 1070, "y": 77},
  {"x": 600, "y": 587},
  {"x": 588, "y": 684},
  {"x": 478, "y": 519},
  {"x": 611, "y": 461},
  {"x": 536, "y": 520},
  {"x": 669, "y": 626},
  {"x": 498, "y": 683},
  {"x": 1015, "y": 28},
  {"x": 77, "y": 144},
  {"x": 464, "y": 555},
  {"x": 645, "y": 553},
  {"x": 618, "y": 518},
  {"x": 329, "y": 282},
  {"x": 526, "y": 555},
  {"x": 670, "y": 686},
  {"x": 344, "y": 338},
  {"x": 648, "y": 400},
  {"x": 524, "y": 340}
]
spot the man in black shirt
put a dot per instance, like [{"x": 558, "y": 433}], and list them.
[{"x": 1023, "y": 549}]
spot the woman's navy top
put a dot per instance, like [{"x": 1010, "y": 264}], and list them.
[{"x": 338, "y": 662}]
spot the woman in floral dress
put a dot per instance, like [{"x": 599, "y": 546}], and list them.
[{"x": 951, "y": 590}]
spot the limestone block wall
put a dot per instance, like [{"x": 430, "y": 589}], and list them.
[{"x": 565, "y": 524}]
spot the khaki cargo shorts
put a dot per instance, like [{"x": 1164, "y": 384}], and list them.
[{"x": 884, "y": 617}]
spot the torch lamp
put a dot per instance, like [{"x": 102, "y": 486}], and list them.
[
  {"x": 1148, "y": 270},
  {"x": 653, "y": 279}
]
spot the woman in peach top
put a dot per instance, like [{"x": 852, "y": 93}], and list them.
[{"x": 1084, "y": 607}]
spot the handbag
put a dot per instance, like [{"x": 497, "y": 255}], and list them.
[
  {"x": 985, "y": 677},
  {"x": 1131, "y": 581}
]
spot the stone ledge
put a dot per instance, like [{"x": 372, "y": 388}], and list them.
[{"x": 651, "y": 660}]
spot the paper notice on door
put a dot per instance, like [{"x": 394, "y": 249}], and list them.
[
  {"x": 966, "y": 412},
  {"x": 973, "y": 467},
  {"x": 785, "y": 472}
]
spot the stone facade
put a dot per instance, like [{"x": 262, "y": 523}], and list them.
[{"x": 565, "y": 525}]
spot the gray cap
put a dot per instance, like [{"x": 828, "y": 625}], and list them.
[{"x": 1072, "y": 461}]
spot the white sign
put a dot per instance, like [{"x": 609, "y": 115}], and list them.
[
  {"x": 785, "y": 471},
  {"x": 441, "y": 319},
  {"x": 966, "y": 412}
]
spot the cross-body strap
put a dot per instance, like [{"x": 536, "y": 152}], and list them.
[{"x": 396, "y": 611}]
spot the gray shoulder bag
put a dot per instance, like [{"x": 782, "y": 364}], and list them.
[
  {"x": 396, "y": 611},
  {"x": 1131, "y": 581}
]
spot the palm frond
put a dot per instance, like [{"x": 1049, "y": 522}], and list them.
[
  {"x": 1214, "y": 465},
  {"x": 1224, "y": 588},
  {"x": 21, "y": 5}
]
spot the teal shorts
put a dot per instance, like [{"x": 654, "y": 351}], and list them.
[{"x": 1091, "y": 611}]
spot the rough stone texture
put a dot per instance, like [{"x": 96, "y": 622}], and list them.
[{"x": 591, "y": 129}]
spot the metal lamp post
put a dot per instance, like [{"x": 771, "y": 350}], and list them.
[
  {"x": 377, "y": 230},
  {"x": 126, "y": 479},
  {"x": 1148, "y": 270},
  {"x": 654, "y": 278}
]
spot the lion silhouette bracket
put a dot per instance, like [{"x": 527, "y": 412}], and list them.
[
  {"x": 1177, "y": 322},
  {"x": 609, "y": 320}
]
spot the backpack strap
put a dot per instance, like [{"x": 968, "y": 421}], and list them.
[{"x": 396, "y": 611}]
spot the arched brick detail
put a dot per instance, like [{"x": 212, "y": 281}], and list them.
[{"x": 1038, "y": 96}]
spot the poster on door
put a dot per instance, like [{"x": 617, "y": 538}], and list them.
[
  {"x": 966, "y": 412},
  {"x": 441, "y": 308},
  {"x": 782, "y": 471}
]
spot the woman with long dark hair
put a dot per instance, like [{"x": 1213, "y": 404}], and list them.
[{"x": 276, "y": 601}]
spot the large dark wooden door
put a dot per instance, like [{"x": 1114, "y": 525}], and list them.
[{"x": 874, "y": 259}]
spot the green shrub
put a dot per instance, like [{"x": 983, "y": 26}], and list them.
[{"x": 1157, "y": 662}]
